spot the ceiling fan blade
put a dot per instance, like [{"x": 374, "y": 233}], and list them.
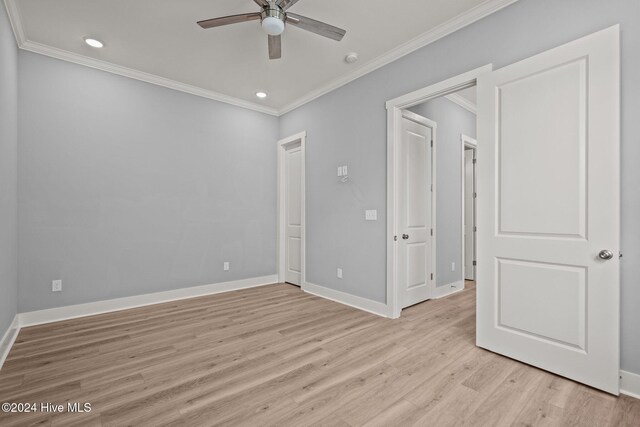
[
  {"x": 314, "y": 26},
  {"x": 286, "y": 4},
  {"x": 226, "y": 20},
  {"x": 275, "y": 47},
  {"x": 262, "y": 3}
]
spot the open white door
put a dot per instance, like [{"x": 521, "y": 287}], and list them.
[
  {"x": 415, "y": 243},
  {"x": 548, "y": 210}
]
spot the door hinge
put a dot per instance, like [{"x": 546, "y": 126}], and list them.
[
  {"x": 474, "y": 161},
  {"x": 474, "y": 263},
  {"x": 395, "y": 238},
  {"x": 475, "y": 195},
  {"x": 432, "y": 231},
  {"x": 432, "y": 143},
  {"x": 432, "y": 188},
  {"x": 475, "y": 229},
  {"x": 431, "y": 276}
]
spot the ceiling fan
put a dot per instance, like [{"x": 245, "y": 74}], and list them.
[{"x": 273, "y": 17}]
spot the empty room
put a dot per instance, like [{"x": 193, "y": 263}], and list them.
[{"x": 319, "y": 213}]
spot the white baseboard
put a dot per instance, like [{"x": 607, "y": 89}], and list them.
[
  {"x": 446, "y": 290},
  {"x": 630, "y": 384},
  {"x": 8, "y": 339},
  {"x": 89, "y": 309},
  {"x": 360, "y": 303}
]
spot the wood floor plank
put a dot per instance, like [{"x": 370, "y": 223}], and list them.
[{"x": 275, "y": 355}]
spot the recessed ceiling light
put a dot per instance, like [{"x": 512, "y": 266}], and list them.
[
  {"x": 93, "y": 42},
  {"x": 261, "y": 94}
]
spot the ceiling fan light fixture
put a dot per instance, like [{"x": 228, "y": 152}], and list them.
[{"x": 273, "y": 26}]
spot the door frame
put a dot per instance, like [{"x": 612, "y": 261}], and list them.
[
  {"x": 394, "y": 118},
  {"x": 467, "y": 141},
  {"x": 282, "y": 147},
  {"x": 409, "y": 115}
]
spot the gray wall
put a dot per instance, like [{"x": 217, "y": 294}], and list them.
[
  {"x": 452, "y": 120},
  {"x": 127, "y": 188},
  {"x": 349, "y": 124},
  {"x": 8, "y": 173}
]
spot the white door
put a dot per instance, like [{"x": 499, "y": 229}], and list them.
[
  {"x": 548, "y": 210},
  {"x": 415, "y": 210},
  {"x": 293, "y": 214},
  {"x": 469, "y": 214}
]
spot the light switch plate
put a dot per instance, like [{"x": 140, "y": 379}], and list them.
[
  {"x": 339, "y": 273},
  {"x": 371, "y": 215},
  {"x": 56, "y": 286},
  {"x": 226, "y": 266},
  {"x": 339, "y": 170}
]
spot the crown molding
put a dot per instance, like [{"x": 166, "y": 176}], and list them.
[
  {"x": 23, "y": 43},
  {"x": 15, "y": 20},
  {"x": 141, "y": 75},
  {"x": 460, "y": 21},
  {"x": 463, "y": 102},
  {"x": 443, "y": 30}
]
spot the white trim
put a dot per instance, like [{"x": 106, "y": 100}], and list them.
[
  {"x": 394, "y": 114},
  {"x": 630, "y": 384},
  {"x": 442, "y": 88},
  {"x": 8, "y": 339},
  {"x": 442, "y": 30},
  {"x": 142, "y": 76},
  {"x": 282, "y": 144},
  {"x": 462, "y": 102},
  {"x": 364, "y": 304},
  {"x": 448, "y": 289},
  {"x": 106, "y": 306},
  {"x": 467, "y": 141},
  {"x": 16, "y": 21}
]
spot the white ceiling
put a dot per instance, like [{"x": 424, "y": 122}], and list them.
[{"x": 161, "y": 38}]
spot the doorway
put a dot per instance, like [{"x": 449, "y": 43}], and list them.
[
  {"x": 469, "y": 194},
  {"x": 291, "y": 209},
  {"x": 548, "y": 279}
]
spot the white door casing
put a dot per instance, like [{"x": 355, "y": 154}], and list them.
[
  {"x": 395, "y": 108},
  {"x": 291, "y": 212},
  {"x": 415, "y": 239},
  {"x": 548, "y": 203}
]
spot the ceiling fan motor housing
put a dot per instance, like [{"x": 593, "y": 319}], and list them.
[{"x": 273, "y": 19}]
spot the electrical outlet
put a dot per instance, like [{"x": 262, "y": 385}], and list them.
[
  {"x": 56, "y": 286},
  {"x": 226, "y": 266},
  {"x": 339, "y": 170},
  {"x": 339, "y": 273},
  {"x": 371, "y": 215},
  {"x": 453, "y": 266}
]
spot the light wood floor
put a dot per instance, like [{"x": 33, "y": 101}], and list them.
[{"x": 277, "y": 356}]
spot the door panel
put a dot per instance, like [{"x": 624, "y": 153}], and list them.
[
  {"x": 415, "y": 213},
  {"x": 533, "y": 134},
  {"x": 293, "y": 211},
  {"x": 548, "y": 185},
  {"x": 523, "y": 292}
]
